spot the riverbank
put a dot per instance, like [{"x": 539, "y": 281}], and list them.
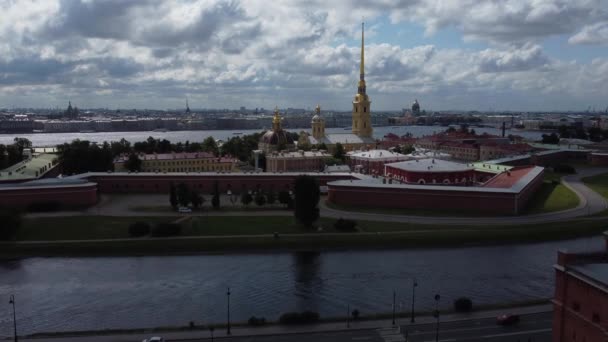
[
  {"x": 365, "y": 321},
  {"x": 94, "y": 236}
]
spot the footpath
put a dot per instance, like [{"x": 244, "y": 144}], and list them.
[{"x": 275, "y": 329}]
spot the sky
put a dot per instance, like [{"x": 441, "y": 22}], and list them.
[{"x": 522, "y": 55}]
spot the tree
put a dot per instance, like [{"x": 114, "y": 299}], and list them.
[
  {"x": 339, "y": 152},
  {"x": 463, "y": 304},
  {"x": 209, "y": 145},
  {"x": 173, "y": 196},
  {"x": 550, "y": 139},
  {"x": 215, "y": 200},
  {"x": 307, "y": 195},
  {"x": 197, "y": 199},
  {"x": 271, "y": 197},
  {"x": 133, "y": 163},
  {"x": 183, "y": 195},
  {"x": 260, "y": 199},
  {"x": 246, "y": 198},
  {"x": 11, "y": 222},
  {"x": 284, "y": 197}
]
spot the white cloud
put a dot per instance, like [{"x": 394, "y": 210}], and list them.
[{"x": 591, "y": 34}]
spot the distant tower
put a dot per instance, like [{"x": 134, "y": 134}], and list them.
[
  {"x": 70, "y": 112},
  {"x": 416, "y": 108},
  {"x": 318, "y": 124},
  {"x": 187, "y": 107},
  {"x": 362, "y": 123}
]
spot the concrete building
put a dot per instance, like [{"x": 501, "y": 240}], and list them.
[
  {"x": 305, "y": 161},
  {"x": 179, "y": 162},
  {"x": 373, "y": 161},
  {"x": 581, "y": 296}
]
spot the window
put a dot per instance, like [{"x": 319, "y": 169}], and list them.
[
  {"x": 364, "y": 109},
  {"x": 576, "y": 306}
]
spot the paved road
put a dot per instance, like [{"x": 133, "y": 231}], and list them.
[{"x": 590, "y": 203}]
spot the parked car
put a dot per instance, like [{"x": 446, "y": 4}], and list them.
[
  {"x": 184, "y": 210},
  {"x": 507, "y": 319},
  {"x": 154, "y": 339}
]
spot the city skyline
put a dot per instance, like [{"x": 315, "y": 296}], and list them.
[{"x": 512, "y": 55}]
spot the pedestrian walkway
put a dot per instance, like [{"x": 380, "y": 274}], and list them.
[{"x": 384, "y": 327}]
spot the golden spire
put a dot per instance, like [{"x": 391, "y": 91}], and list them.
[
  {"x": 318, "y": 109},
  {"x": 361, "y": 89},
  {"x": 276, "y": 120}
]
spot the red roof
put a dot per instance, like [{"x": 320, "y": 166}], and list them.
[{"x": 508, "y": 179}]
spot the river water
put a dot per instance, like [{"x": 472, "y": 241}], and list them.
[
  {"x": 53, "y": 139},
  {"x": 60, "y": 294}
]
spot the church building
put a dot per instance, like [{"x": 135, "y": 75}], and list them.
[{"x": 361, "y": 136}]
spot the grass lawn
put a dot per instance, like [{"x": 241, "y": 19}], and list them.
[
  {"x": 552, "y": 197},
  {"x": 243, "y": 225},
  {"x": 598, "y": 183},
  {"x": 80, "y": 227}
]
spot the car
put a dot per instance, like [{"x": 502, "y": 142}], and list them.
[
  {"x": 154, "y": 339},
  {"x": 507, "y": 319},
  {"x": 184, "y": 210}
]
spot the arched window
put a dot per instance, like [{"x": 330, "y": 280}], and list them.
[
  {"x": 364, "y": 124},
  {"x": 364, "y": 109},
  {"x": 421, "y": 181},
  {"x": 446, "y": 181}
]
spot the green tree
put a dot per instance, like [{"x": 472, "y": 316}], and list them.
[
  {"x": 246, "y": 198},
  {"x": 260, "y": 199},
  {"x": 307, "y": 195},
  {"x": 197, "y": 199},
  {"x": 173, "y": 196},
  {"x": 133, "y": 163},
  {"x": 183, "y": 195},
  {"x": 339, "y": 152},
  {"x": 271, "y": 197},
  {"x": 284, "y": 197},
  {"x": 209, "y": 145},
  {"x": 215, "y": 200},
  {"x": 11, "y": 222}
]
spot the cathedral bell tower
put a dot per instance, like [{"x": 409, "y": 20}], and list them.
[
  {"x": 362, "y": 123},
  {"x": 318, "y": 124},
  {"x": 276, "y": 120}
]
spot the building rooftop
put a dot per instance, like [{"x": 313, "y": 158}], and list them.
[
  {"x": 298, "y": 154},
  {"x": 508, "y": 178},
  {"x": 595, "y": 271},
  {"x": 490, "y": 168},
  {"x": 377, "y": 155},
  {"x": 342, "y": 138},
  {"x": 431, "y": 165},
  {"x": 29, "y": 169},
  {"x": 175, "y": 156}
]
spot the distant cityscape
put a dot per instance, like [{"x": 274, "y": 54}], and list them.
[{"x": 73, "y": 119}]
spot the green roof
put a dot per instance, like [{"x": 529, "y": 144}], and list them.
[{"x": 32, "y": 168}]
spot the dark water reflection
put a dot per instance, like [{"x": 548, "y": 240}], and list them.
[{"x": 95, "y": 293}]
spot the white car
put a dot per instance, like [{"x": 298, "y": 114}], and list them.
[
  {"x": 184, "y": 210},
  {"x": 154, "y": 339}
]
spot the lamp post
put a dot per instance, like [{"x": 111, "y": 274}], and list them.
[
  {"x": 228, "y": 317},
  {"x": 12, "y": 301},
  {"x": 348, "y": 315},
  {"x": 394, "y": 297},
  {"x": 211, "y": 331},
  {"x": 437, "y": 297},
  {"x": 414, "y": 285}
]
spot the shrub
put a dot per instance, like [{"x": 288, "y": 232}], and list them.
[
  {"x": 345, "y": 225},
  {"x": 139, "y": 229},
  {"x": 463, "y": 304},
  {"x": 564, "y": 168},
  {"x": 305, "y": 317},
  {"x": 356, "y": 314},
  {"x": 11, "y": 221},
  {"x": 44, "y": 206},
  {"x": 166, "y": 229},
  {"x": 260, "y": 199},
  {"x": 256, "y": 321}
]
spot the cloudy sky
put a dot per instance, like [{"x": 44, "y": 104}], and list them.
[{"x": 450, "y": 54}]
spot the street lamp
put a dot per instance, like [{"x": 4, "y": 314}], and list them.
[
  {"x": 12, "y": 301},
  {"x": 228, "y": 318},
  {"x": 437, "y": 297},
  {"x": 414, "y": 285},
  {"x": 394, "y": 295},
  {"x": 211, "y": 331}
]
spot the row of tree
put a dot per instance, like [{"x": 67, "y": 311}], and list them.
[
  {"x": 182, "y": 196},
  {"x": 14, "y": 153}
]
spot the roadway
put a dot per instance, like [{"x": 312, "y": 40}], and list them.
[{"x": 533, "y": 327}]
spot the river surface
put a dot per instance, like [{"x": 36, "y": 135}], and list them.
[
  {"x": 61, "y": 294},
  {"x": 53, "y": 139}
]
